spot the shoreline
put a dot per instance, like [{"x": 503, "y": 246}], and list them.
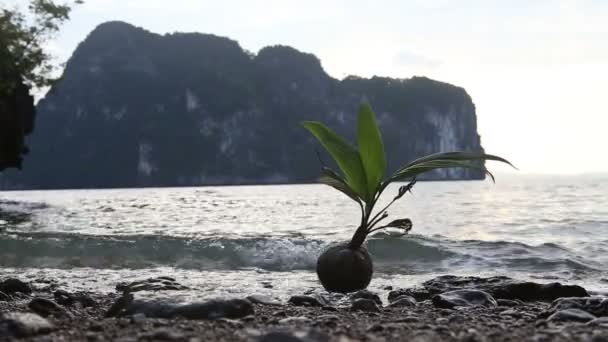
[{"x": 447, "y": 308}]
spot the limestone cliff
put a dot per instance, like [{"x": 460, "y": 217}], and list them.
[{"x": 140, "y": 109}]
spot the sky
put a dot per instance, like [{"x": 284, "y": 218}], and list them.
[{"x": 537, "y": 70}]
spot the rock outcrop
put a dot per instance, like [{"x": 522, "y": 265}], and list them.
[{"x": 136, "y": 109}]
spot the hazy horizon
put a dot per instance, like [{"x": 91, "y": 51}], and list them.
[{"x": 535, "y": 70}]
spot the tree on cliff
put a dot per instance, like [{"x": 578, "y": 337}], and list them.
[{"x": 24, "y": 64}]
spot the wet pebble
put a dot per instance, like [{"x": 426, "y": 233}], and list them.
[
  {"x": 571, "y": 315},
  {"x": 23, "y": 324},
  {"x": 463, "y": 298},
  {"x": 12, "y": 285},
  {"x": 366, "y": 305}
]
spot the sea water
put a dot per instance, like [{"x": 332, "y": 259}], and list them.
[{"x": 232, "y": 241}]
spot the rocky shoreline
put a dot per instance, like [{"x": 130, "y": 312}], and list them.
[{"x": 447, "y": 308}]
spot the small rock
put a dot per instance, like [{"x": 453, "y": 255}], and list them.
[
  {"x": 463, "y": 298},
  {"x": 96, "y": 327},
  {"x": 20, "y": 324},
  {"x": 442, "y": 321},
  {"x": 366, "y": 305},
  {"x": 263, "y": 300},
  {"x": 138, "y": 318},
  {"x": 507, "y": 302},
  {"x": 375, "y": 328},
  {"x": 12, "y": 285},
  {"x": 365, "y": 294},
  {"x": 120, "y": 305},
  {"x": 328, "y": 318},
  {"x": 68, "y": 299},
  {"x": 418, "y": 294},
  {"x": 402, "y": 301},
  {"x": 298, "y": 319},
  {"x": 294, "y": 336},
  {"x": 151, "y": 284},
  {"x": 408, "y": 319},
  {"x": 279, "y": 337},
  {"x": 46, "y": 307},
  {"x": 249, "y": 318},
  {"x": 511, "y": 313},
  {"x": 214, "y": 309},
  {"x": 305, "y": 301},
  {"x": 571, "y": 315},
  {"x": 599, "y": 322},
  {"x": 597, "y": 306},
  {"x": 163, "y": 334}
]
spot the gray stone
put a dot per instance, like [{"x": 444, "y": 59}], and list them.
[
  {"x": 138, "y": 318},
  {"x": 408, "y": 319},
  {"x": 279, "y": 337},
  {"x": 294, "y": 336},
  {"x": 152, "y": 284},
  {"x": 507, "y": 302},
  {"x": 463, "y": 298},
  {"x": 23, "y": 324},
  {"x": 307, "y": 301},
  {"x": 213, "y": 309},
  {"x": 403, "y": 301},
  {"x": 68, "y": 299},
  {"x": 46, "y": 307},
  {"x": 597, "y": 306},
  {"x": 298, "y": 319},
  {"x": 366, "y": 305},
  {"x": 571, "y": 315},
  {"x": 263, "y": 300},
  {"x": 365, "y": 294},
  {"x": 163, "y": 334},
  {"x": 599, "y": 322}
]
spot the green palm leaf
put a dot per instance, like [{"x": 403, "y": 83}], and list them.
[
  {"x": 462, "y": 156},
  {"x": 345, "y": 155},
  {"x": 416, "y": 169},
  {"x": 333, "y": 179},
  {"x": 371, "y": 147},
  {"x": 445, "y": 160}
]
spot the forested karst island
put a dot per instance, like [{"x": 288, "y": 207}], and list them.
[{"x": 134, "y": 108}]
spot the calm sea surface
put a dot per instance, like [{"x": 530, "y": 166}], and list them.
[{"x": 237, "y": 240}]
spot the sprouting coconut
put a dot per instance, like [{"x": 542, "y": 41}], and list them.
[{"x": 347, "y": 266}]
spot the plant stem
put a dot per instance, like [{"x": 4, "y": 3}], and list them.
[
  {"x": 361, "y": 233},
  {"x": 375, "y": 220}
]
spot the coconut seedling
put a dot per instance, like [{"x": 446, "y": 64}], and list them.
[{"x": 347, "y": 266}]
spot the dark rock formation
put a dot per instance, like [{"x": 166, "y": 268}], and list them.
[
  {"x": 497, "y": 287},
  {"x": 213, "y": 309},
  {"x": 139, "y": 109}
]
